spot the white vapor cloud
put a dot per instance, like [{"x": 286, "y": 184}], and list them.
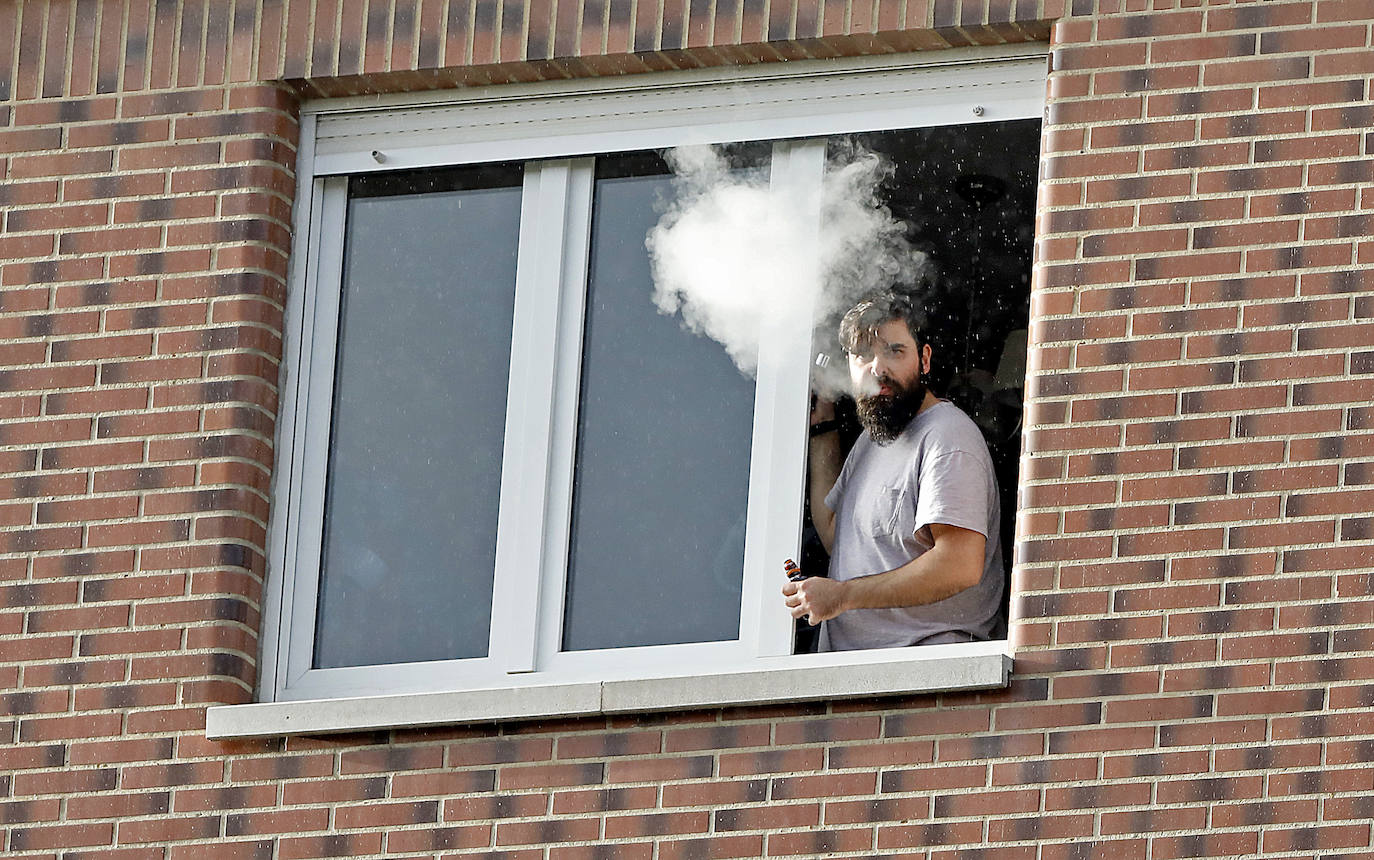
[{"x": 733, "y": 252}]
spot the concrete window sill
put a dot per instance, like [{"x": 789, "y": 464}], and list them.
[{"x": 800, "y": 678}]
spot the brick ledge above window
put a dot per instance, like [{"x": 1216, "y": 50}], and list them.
[{"x": 800, "y": 678}]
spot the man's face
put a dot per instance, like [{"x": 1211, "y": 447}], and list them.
[{"x": 886, "y": 373}]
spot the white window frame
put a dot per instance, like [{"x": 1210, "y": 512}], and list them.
[{"x": 557, "y": 129}]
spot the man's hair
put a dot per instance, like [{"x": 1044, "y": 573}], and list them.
[{"x": 860, "y": 325}]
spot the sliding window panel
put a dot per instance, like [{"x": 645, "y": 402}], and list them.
[
  {"x": 418, "y": 417},
  {"x": 656, "y": 551},
  {"x": 778, "y": 475}
]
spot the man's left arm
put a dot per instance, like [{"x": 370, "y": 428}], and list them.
[{"x": 953, "y": 564}]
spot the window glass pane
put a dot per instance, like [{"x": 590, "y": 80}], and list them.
[
  {"x": 664, "y": 431},
  {"x": 419, "y": 417}
]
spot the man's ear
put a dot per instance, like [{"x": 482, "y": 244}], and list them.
[{"x": 925, "y": 358}]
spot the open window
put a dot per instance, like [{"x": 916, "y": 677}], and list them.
[
  {"x": 505, "y": 479},
  {"x": 966, "y": 195}
]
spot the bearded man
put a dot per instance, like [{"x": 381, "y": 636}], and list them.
[{"x": 911, "y": 521}]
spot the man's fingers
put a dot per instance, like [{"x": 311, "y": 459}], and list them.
[
  {"x": 796, "y": 603},
  {"x": 799, "y": 602}
]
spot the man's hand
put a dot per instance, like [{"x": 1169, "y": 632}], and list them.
[
  {"x": 817, "y": 597},
  {"x": 822, "y": 409},
  {"x": 952, "y": 565},
  {"x": 823, "y": 459}
]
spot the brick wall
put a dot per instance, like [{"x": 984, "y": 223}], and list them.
[{"x": 1194, "y": 658}]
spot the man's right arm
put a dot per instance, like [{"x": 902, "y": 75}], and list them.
[{"x": 824, "y": 462}]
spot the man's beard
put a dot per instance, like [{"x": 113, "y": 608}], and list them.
[{"x": 885, "y": 416}]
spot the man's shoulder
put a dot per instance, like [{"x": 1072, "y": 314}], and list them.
[{"x": 946, "y": 425}]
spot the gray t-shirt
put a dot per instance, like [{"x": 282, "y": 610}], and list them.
[{"x": 887, "y": 496}]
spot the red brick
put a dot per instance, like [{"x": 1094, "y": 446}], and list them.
[
  {"x": 924, "y": 835},
  {"x": 1040, "y": 827},
  {"x": 1108, "y": 630},
  {"x": 118, "y": 805},
  {"x": 113, "y": 187},
  {"x": 1005, "y": 745},
  {"x": 1272, "y": 646},
  {"x": 61, "y": 164},
  {"x": 545, "y": 776},
  {"x": 1326, "y": 837},
  {"x": 1144, "y": 79},
  {"x": 547, "y": 831},
  {"x": 1093, "y": 57},
  {"x": 443, "y": 838},
  {"x": 829, "y": 785},
  {"x": 432, "y": 784},
  {"x": 138, "y": 533},
  {"x": 722, "y": 736},
  {"x": 336, "y": 845},
  {"x": 1110, "y": 573},
  {"x": 29, "y": 812},
  {"x": 1263, "y": 70},
  {"x": 1185, "y": 818},
  {"x": 713, "y": 792},
  {"x": 663, "y": 824},
  {"x": 1177, "y": 651},
  {"x": 884, "y": 754},
  {"x": 38, "y": 838},
  {"x": 29, "y": 193},
  {"x": 1216, "y": 844},
  {"x": 1194, "y": 265},
  {"x": 314, "y": 791},
  {"x": 1154, "y": 25},
  {"x": 47, "y": 378},
  {"x": 65, "y": 728},
  {"x": 1185, "y": 211},
  {"x": 773, "y": 761},
  {"x": 711, "y": 847},
  {"x": 1135, "y": 242},
  {"x": 1203, "y": 48},
  {"x": 1199, "y": 101},
  {"x": 1312, "y": 38},
  {"x": 584, "y": 800},
  {"x": 374, "y": 815},
  {"x": 821, "y": 842},
  {"x": 827, "y": 731},
  {"x": 1139, "y": 765},
  {"x": 1000, "y": 803},
  {"x": 885, "y": 809},
  {"x": 1279, "y": 259},
  {"x": 14, "y": 248}
]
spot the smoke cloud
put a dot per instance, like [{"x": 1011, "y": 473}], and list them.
[{"x": 734, "y": 252}]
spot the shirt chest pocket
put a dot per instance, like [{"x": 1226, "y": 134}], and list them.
[{"x": 886, "y": 512}]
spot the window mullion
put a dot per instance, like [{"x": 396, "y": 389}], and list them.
[
  {"x": 527, "y": 455},
  {"x": 778, "y": 462},
  {"x": 567, "y": 395}
]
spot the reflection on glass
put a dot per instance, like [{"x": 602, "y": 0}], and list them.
[
  {"x": 664, "y": 430},
  {"x": 419, "y": 417}
]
